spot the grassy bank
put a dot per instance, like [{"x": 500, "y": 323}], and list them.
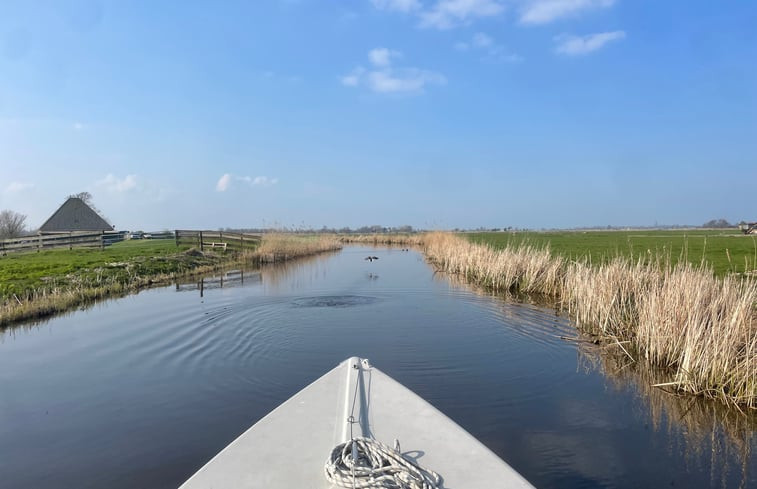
[
  {"x": 675, "y": 315},
  {"x": 36, "y": 285},
  {"x": 726, "y": 252}
]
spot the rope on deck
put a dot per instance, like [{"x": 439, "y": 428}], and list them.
[{"x": 362, "y": 463}]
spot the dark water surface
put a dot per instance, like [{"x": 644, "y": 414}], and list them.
[{"x": 142, "y": 391}]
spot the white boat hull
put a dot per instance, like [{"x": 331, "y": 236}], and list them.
[{"x": 289, "y": 446}]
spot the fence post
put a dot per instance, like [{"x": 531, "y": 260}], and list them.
[
  {"x": 201, "y": 248},
  {"x": 176, "y": 235},
  {"x": 39, "y": 243},
  {"x": 102, "y": 240}
]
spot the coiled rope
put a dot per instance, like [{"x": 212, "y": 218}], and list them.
[{"x": 368, "y": 463}]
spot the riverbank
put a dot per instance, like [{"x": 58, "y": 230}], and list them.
[
  {"x": 726, "y": 251},
  {"x": 678, "y": 317},
  {"x": 38, "y": 285}
]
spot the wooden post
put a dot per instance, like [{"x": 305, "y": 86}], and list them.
[
  {"x": 70, "y": 240},
  {"x": 102, "y": 240},
  {"x": 176, "y": 236},
  {"x": 39, "y": 243},
  {"x": 201, "y": 248}
]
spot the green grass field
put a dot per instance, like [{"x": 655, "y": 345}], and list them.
[
  {"x": 726, "y": 251},
  {"x": 21, "y": 273}
]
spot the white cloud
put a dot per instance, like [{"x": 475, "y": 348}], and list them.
[
  {"x": 227, "y": 178},
  {"x": 223, "y": 182},
  {"x": 545, "y": 11},
  {"x": 404, "y": 80},
  {"x": 385, "y": 78},
  {"x": 397, "y": 5},
  {"x": 491, "y": 50},
  {"x": 578, "y": 45},
  {"x": 118, "y": 185},
  {"x": 382, "y": 56},
  {"x": 15, "y": 187},
  {"x": 446, "y": 14},
  {"x": 261, "y": 181}
]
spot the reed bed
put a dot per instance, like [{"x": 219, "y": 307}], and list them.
[
  {"x": 277, "y": 247},
  {"x": 680, "y": 317},
  {"x": 383, "y": 239}
]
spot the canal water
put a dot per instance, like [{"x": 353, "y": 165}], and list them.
[{"x": 141, "y": 391}]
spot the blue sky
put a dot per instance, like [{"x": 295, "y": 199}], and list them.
[{"x": 433, "y": 113}]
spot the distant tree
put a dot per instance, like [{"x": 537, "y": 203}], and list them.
[
  {"x": 85, "y": 196},
  {"x": 11, "y": 224},
  {"x": 717, "y": 223}
]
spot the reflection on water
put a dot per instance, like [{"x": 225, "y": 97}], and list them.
[
  {"x": 710, "y": 435},
  {"x": 717, "y": 439},
  {"x": 143, "y": 390}
]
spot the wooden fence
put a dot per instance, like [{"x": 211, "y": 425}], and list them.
[
  {"x": 96, "y": 239},
  {"x": 222, "y": 240}
]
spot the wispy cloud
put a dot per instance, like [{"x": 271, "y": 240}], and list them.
[
  {"x": 397, "y": 5},
  {"x": 492, "y": 50},
  {"x": 261, "y": 181},
  {"x": 112, "y": 183},
  {"x": 545, "y": 11},
  {"x": 579, "y": 45},
  {"x": 16, "y": 187},
  {"x": 383, "y": 77},
  {"x": 224, "y": 183},
  {"x": 382, "y": 57},
  {"x": 446, "y": 14}
]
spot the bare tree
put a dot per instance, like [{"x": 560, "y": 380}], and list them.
[
  {"x": 11, "y": 224},
  {"x": 85, "y": 196}
]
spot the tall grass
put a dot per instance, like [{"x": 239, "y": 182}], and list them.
[
  {"x": 276, "y": 247},
  {"x": 679, "y": 317},
  {"x": 383, "y": 239}
]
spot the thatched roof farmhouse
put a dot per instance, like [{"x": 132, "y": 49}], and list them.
[{"x": 75, "y": 215}]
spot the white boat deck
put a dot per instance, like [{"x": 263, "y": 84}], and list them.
[{"x": 289, "y": 446}]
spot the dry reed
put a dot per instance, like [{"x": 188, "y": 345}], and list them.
[
  {"x": 383, "y": 239},
  {"x": 277, "y": 247},
  {"x": 679, "y": 317}
]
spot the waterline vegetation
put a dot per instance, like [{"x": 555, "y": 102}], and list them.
[
  {"x": 678, "y": 317},
  {"x": 37, "y": 285}
]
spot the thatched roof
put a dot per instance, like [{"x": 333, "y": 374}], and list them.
[{"x": 75, "y": 215}]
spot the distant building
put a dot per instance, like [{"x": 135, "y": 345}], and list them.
[{"x": 74, "y": 215}]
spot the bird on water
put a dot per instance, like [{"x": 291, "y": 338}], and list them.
[{"x": 371, "y": 258}]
